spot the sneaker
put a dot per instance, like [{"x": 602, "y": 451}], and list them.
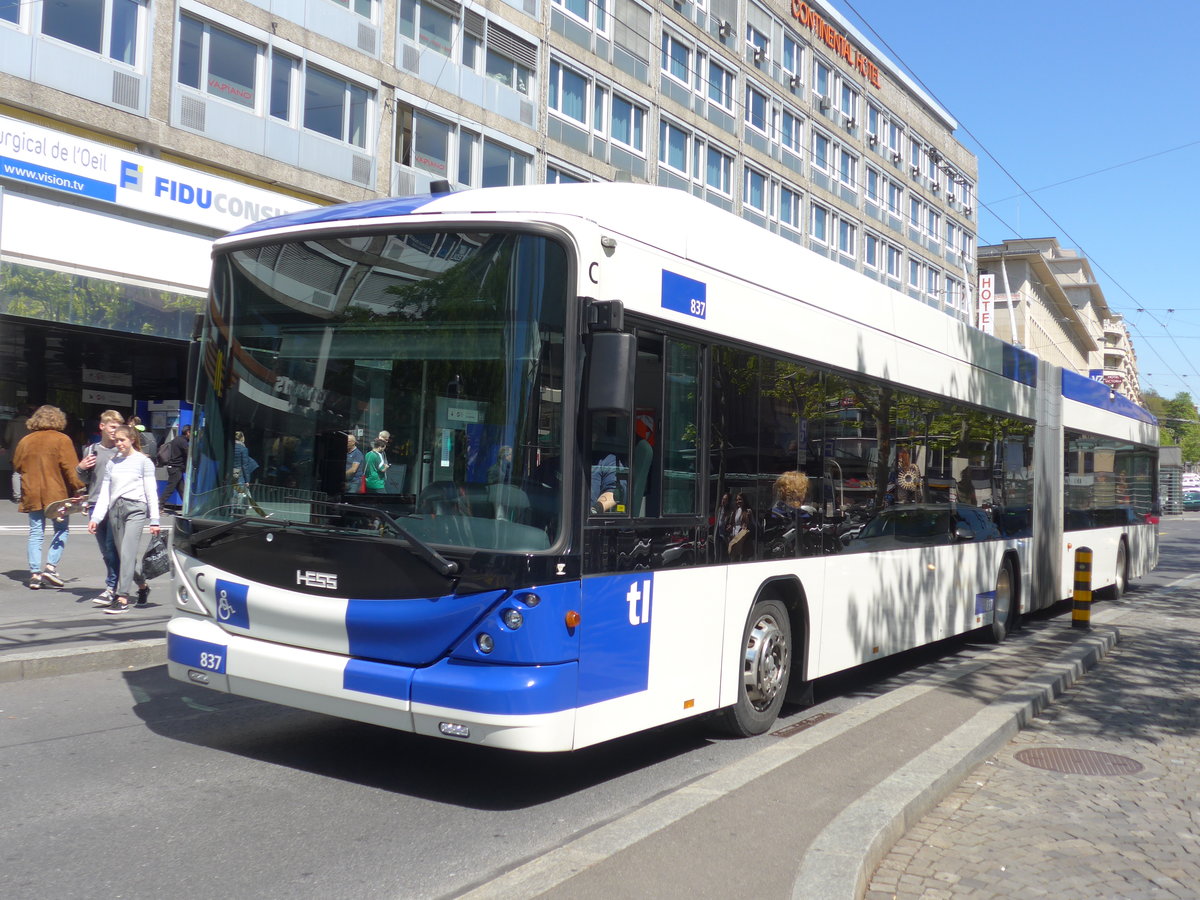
[
  {"x": 119, "y": 605},
  {"x": 51, "y": 576},
  {"x": 143, "y": 595},
  {"x": 105, "y": 599},
  {"x": 35, "y": 581}
]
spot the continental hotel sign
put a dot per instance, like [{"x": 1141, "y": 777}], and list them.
[{"x": 836, "y": 41}]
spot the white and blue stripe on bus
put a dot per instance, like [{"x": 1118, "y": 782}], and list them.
[{"x": 426, "y": 651}]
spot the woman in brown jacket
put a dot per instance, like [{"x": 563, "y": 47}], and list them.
[{"x": 46, "y": 461}]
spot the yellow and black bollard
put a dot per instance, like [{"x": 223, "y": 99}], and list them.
[{"x": 1081, "y": 611}]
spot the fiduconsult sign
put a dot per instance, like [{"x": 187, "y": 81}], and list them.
[{"x": 35, "y": 155}]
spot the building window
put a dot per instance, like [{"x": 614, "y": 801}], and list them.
[
  {"x": 756, "y": 109},
  {"x": 504, "y": 166},
  {"x": 818, "y": 226},
  {"x": 428, "y": 24},
  {"x": 847, "y": 167},
  {"x": 628, "y": 120},
  {"x": 593, "y": 12},
  {"x": 873, "y": 120},
  {"x": 914, "y": 273},
  {"x": 217, "y": 62},
  {"x": 874, "y": 180},
  {"x": 10, "y": 11},
  {"x": 871, "y": 251},
  {"x": 673, "y": 147},
  {"x": 893, "y": 261},
  {"x": 848, "y": 101},
  {"x": 791, "y": 135},
  {"x": 895, "y": 197},
  {"x": 335, "y": 107},
  {"x": 914, "y": 212},
  {"x": 894, "y": 136},
  {"x": 793, "y": 57},
  {"x": 755, "y": 191},
  {"x": 847, "y": 238},
  {"x": 756, "y": 44},
  {"x": 568, "y": 92},
  {"x": 822, "y": 78},
  {"x": 111, "y": 29},
  {"x": 933, "y": 223},
  {"x": 362, "y": 7},
  {"x": 284, "y": 71},
  {"x": 933, "y": 283},
  {"x": 718, "y": 173},
  {"x": 556, "y": 175},
  {"x": 505, "y": 69},
  {"x": 720, "y": 85},
  {"x": 677, "y": 58},
  {"x": 821, "y": 149},
  {"x": 789, "y": 207}
]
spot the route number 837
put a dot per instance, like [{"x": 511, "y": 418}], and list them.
[
  {"x": 697, "y": 308},
  {"x": 211, "y": 661}
]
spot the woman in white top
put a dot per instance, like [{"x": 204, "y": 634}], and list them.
[{"x": 128, "y": 496}]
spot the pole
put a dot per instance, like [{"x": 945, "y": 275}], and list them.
[{"x": 1081, "y": 611}]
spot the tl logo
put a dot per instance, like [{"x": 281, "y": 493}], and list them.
[{"x": 633, "y": 598}]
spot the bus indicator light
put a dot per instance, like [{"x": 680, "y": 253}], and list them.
[
  {"x": 453, "y": 729},
  {"x": 572, "y": 618}
]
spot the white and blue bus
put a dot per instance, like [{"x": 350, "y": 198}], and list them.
[{"x": 536, "y": 467}]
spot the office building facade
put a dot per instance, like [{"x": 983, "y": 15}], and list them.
[{"x": 133, "y": 132}]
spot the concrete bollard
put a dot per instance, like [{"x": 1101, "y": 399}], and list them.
[{"x": 1081, "y": 611}]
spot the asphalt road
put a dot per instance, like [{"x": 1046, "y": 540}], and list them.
[{"x": 126, "y": 784}]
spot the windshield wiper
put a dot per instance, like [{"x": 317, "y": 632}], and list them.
[
  {"x": 427, "y": 554},
  {"x": 208, "y": 535}
]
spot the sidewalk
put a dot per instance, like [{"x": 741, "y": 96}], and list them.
[
  {"x": 57, "y": 631},
  {"x": 1095, "y": 798}
]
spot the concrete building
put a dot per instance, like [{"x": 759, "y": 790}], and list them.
[
  {"x": 1048, "y": 301},
  {"x": 132, "y": 133}
]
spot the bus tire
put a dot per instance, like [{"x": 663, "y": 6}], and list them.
[
  {"x": 1004, "y": 608},
  {"x": 766, "y": 666},
  {"x": 1118, "y": 588}
]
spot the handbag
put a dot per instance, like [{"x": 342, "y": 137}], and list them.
[{"x": 157, "y": 559}]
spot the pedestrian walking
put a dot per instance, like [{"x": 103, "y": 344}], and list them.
[
  {"x": 46, "y": 461},
  {"x": 175, "y": 452},
  {"x": 91, "y": 471},
  {"x": 127, "y": 497}
]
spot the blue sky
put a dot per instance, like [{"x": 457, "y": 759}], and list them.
[{"x": 1093, "y": 108}]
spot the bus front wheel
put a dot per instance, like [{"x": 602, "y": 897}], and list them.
[{"x": 766, "y": 665}]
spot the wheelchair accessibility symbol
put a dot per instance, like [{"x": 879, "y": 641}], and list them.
[{"x": 232, "y": 606}]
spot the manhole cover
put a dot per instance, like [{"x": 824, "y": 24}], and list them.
[{"x": 1078, "y": 762}]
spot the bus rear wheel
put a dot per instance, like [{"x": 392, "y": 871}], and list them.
[
  {"x": 766, "y": 666},
  {"x": 1004, "y": 607},
  {"x": 1118, "y": 588}
]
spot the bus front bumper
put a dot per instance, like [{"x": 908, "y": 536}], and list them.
[{"x": 530, "y": 708}]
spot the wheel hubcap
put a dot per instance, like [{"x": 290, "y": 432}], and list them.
[{"x": 765, "y": 663}]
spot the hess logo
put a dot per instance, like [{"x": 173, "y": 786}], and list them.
[{"x": 324, "y": 580}]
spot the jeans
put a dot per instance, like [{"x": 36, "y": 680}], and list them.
[
  {"x": 108, "y": 553},
  {"x": 37, "y": 530}
]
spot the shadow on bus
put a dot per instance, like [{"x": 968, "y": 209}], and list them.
[{"x": 380, "y": 758}]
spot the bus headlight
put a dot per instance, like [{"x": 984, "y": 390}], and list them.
[
  {"x": 484, "y": 642},
  {"x": 530, "y": 600},
  {"x": 512, "y": 618}
]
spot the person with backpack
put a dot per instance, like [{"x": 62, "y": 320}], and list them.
[
  {"x": 173, "y": 454},
  {"x": 91, "y": 472},
  {"x": 149, "y": 443}
]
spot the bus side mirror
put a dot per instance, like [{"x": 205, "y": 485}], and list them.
[
  {"x": 193, "y": 359},
  {"x": 611, "y": 365}
]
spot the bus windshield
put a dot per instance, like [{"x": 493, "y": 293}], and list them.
[{"x": 418, "y": 375}]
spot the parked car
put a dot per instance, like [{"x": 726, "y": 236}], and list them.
[{"x": 1191, "y": 499}]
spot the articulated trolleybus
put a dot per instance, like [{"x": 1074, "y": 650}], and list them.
[{"x": 536, "y": 467}]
